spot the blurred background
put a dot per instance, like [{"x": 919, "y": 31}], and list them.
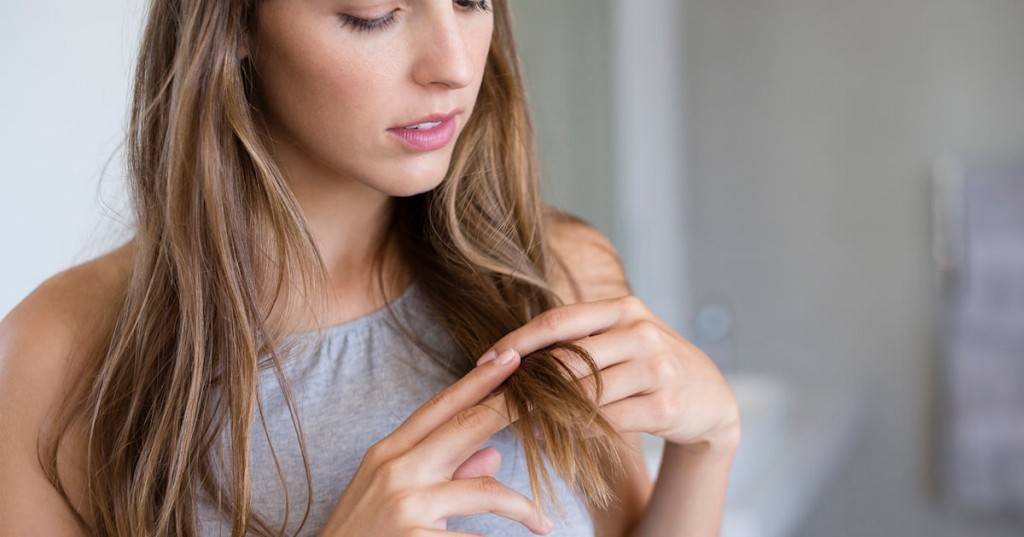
[{"x": 787, "y": 182}]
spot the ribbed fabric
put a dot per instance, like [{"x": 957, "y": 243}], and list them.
[{"x": 360, "y": 384}]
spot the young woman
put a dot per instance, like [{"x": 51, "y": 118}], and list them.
[{"x": 344, "y": 310}]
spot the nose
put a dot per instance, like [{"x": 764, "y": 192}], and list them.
[{"x": 442, "y": 57}]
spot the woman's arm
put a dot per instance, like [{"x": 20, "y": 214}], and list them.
[
  {"x": 687, "y": 499},
  {"x": 633, "y": 490},
  {"x": 689, "y": 496}
]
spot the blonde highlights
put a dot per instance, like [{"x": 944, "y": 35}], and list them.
[{"x": 222, "y": 257}]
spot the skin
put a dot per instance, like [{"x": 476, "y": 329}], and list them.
[{"x": 329, "y": 94}]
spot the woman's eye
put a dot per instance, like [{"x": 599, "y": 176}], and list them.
[
  {"x": 381, "y": 23},
  {"x": 369, "y": 25},
  {"x": 480, "y": 5}
]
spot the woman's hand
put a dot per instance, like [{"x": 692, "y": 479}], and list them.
[
  {"x": 655, "y": 381},
  {"x": 428, "y": 469}
]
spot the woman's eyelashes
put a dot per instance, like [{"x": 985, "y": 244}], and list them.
[
  {"x": 369, "y": 25},
  {"x": 381, "y": 23}
]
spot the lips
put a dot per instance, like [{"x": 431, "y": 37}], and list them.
[
  {"x": 433, "y": 118},
  {"x": 428, "y": 133}
]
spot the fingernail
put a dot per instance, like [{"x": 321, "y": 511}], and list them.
[
  {"x": 506, "y": 357},
  {"x": 547, "y": 523},
  {"x": 487, "y": 357}
]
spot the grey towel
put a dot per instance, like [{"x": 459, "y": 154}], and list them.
[{"x": 982, "y": 459}]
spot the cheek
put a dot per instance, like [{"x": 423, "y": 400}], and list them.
[
  {"x": 312, "y": 92},
  {"x": 314, "y": 86},
  {"x": 481, "y": 44}
]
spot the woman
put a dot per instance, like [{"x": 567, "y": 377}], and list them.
[{"x": 242, "y": 364}]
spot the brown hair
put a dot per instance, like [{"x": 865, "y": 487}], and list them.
[{"x": 222, "y": 249}]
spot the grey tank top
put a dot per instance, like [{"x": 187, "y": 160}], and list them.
[{"x": 354, "y": 389}]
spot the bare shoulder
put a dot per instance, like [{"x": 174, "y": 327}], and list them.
[
  {"x": 586, "y": 266},
  {"x": 64, "y": 309},
  {"x": 43, "y": 342}
]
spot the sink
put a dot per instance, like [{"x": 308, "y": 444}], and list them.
[{"x": 796, "y": 439}]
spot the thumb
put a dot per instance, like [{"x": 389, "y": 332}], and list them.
[{"x": 484, "y": 462}]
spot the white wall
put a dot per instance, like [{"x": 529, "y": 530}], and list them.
[
  {"x": 814, "y": 126},
  {"x": 65, "y": 69}
]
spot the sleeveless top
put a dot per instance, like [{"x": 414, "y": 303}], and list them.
[{"x": 357, "y": 386}]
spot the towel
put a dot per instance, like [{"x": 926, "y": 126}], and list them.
[{"x": 982, "y": 451}]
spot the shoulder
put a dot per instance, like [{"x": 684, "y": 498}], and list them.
[
  {"x": 64, "y": 311},
  {"x": 44, "y": 342},
  {"x": 47, "y": 333},
  {"x": 584, "y": 263}
]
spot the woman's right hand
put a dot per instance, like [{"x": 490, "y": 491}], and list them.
[{"x": 429, "y": 469}]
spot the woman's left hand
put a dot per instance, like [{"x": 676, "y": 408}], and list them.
[{"x": 654, "y": 380}]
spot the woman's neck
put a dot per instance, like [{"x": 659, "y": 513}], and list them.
[
  {"x": 348, "y": 221},
  {"x": 349, "y": 225}
]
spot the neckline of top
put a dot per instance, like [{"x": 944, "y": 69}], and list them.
[{"x": 357, "y": 322}]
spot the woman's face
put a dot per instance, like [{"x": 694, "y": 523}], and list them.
[{"x": 341, "y": 81}]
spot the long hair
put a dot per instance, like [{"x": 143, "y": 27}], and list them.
[{"x": 222, "y": 251}]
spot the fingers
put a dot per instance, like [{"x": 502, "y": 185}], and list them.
[
  {"x": 464, "y": 393},
  {"x": 619, "y": 382},
  {"x": 456, "y": 439},
  {"x": 567, "y": 323},
  {"x": 486, "y": 494},
  {"x": 645, "y": 413},
  {"x": 607, "y": 349},
  {"x": 482, "y": 463}
]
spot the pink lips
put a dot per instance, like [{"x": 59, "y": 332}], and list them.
[{"x": 430, "y": 139}]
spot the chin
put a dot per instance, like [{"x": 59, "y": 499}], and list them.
[
  {"x": 418, "y": 181},
  {"x": 413, "y": 185}
]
